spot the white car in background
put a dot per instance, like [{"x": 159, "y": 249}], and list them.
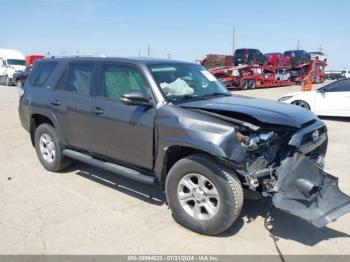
[
  {"x": 330, "y": 100},
  {"x": 318, "y": 56}
]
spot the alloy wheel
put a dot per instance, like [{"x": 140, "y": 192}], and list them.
[
  {"x": 47, "y": 148},
  {"x": 198, "y": 196}
]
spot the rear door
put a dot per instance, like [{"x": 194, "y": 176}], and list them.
[
  {"x": 71, "y": 103},
  {"x": 123, "y": 133}
]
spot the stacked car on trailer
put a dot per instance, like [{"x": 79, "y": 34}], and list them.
[{"x": 249, "y": 71}]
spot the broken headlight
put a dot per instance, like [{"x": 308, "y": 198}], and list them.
[{"x": 253, "y": 142}]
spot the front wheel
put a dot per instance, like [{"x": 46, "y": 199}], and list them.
[
  {"x": 7, "y": 81},
  {"x": 203, "y": 195},
  {"x": 302, "y": 104}
]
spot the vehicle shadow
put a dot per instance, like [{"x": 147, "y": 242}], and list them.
[
  {"x": 148, "y": 193},
  {"x": 336, "y": 118},
  {"x": 282, "y": 225}
]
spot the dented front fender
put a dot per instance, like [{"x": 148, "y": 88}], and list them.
[{"x": 305, "y": 190}]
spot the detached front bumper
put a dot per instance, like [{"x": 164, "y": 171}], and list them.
[{"x": 305, "y": 190}]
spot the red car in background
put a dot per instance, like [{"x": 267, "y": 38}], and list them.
[{"x": 277, "y": 59}]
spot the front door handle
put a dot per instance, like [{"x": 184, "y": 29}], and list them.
[
  {"x": 56, "y": 102},
  {"x": 97, "y": 111}
]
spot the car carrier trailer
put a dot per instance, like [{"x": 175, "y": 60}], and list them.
[
  {"x": 253, "y": 76},
  {"x": 262, "y": 76}
]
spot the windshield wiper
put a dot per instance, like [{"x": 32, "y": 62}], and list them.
[
  {"x": 184, "y": 97},
  {"x": 216, "y": 94},
  {"x": 196, "y": 97}
]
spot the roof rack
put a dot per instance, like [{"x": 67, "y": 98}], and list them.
[{"x": 81, "y": 56}]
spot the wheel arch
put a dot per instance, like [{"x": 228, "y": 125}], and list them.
[
  {"x": 36, "y": 120},
  {"x": 174, "y": 153},
  {"x": 303, "y": 100}
]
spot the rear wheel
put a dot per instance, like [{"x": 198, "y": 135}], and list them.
[
  {"x": 49, "y": 149},
  {"x": 244, "y": 84},
  {"x": 19, "y": 84},
  {"x": 302, "y": 104},
  {"x": 251, "y": 84},
  {"x": 203, "y": 195}
]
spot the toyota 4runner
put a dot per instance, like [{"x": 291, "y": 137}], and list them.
[{"x": 173, "y": 123}]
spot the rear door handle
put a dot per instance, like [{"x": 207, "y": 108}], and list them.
[
  {"x": 97, "y": 111},
  {"x": 56, "y": 102}
]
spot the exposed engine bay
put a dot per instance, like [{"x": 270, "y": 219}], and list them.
[{"x": 265, "y": 150}]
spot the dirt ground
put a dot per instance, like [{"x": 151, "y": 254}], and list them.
[{"x": 89, "y": 211}]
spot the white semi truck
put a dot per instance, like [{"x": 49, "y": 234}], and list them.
[{"x": 11, "y": 61}]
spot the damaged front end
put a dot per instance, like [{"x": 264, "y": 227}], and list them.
[
  {"x": 288, "y": 165},
  {"x": 284, "y": 160}
]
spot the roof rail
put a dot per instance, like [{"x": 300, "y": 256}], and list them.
[{"x": 82, "y": 56}]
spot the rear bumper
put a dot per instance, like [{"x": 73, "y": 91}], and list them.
[{"x": 23, "y": 116}]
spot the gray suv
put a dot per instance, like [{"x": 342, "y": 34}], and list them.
[{"x": 172, "y": 123}]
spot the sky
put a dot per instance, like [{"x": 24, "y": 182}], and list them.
[{"x": 182, "y": 29}]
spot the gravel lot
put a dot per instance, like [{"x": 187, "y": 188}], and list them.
[{"x": 88, "y": 211}]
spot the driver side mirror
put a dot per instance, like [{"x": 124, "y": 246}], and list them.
[{"x": 136, "y": 98}]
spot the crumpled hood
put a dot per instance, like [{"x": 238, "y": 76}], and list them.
[{"x": 263, "y": 110}]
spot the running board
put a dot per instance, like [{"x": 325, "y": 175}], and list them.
[{"x": 111, "y": 167}]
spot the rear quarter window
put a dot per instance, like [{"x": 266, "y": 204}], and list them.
[{"x": 41, "y": 73}]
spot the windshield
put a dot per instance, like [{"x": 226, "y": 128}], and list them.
[
  {"x": 16, "y": 62},
  {"x": 240, "y": 53},
  {"x": 180, "y": 82}
]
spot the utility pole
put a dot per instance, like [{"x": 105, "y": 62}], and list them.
[
  {"x": 298, "y": 45},
  {"x": 233, "y": 40},
  {"x": 148, "y": 50},
  {"x": 321, "y": 48}
]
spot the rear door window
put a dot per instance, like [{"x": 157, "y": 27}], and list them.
[
  {"x": 80, "y": 78},
  {"x": 41, "y": 73}
]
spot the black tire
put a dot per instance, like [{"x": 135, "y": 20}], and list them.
[
  {"x": 59, "y": 162},
  {"x": 302, "y": 104},
  {"x": 226, "y": 183},
  {"x": 19, "y": 84},
  {"x": 244, "y": 84},
  {"x": 7, "y": 81},
  {"x": 251, "y": 84}
]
